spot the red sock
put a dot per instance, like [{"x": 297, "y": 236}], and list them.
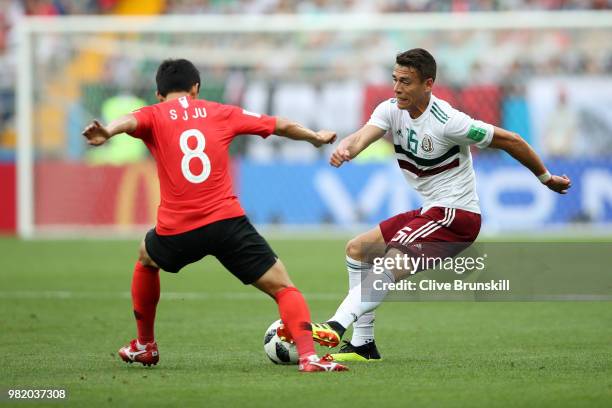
[
  {"x": 295, "y": 314},
  {"x": 145, "y": 295}
]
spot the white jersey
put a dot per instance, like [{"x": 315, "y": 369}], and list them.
[{"x": 433, "y": 151}]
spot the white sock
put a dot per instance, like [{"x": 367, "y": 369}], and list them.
[
  {"x": 352, "y": 308},
  {"x": 363, "y": 328},
  {"x": 140, "y": 346}
]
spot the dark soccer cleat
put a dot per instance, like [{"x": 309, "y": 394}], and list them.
[
  {"x": 149, "y": 356},
  {"x": 366, "y": 352},
  {"x": 314, "y": 364}
]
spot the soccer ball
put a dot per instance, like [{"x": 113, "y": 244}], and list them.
[{"x": 278, "y": 351}]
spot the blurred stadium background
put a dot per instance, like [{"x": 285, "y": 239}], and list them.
[{"x": 542, "y": 68}]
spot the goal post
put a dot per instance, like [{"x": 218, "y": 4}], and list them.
[{"x": 72, "y": 69}]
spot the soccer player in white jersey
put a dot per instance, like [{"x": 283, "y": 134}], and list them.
[{"x": 432, "y": 145}]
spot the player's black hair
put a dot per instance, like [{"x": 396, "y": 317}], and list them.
[
  {"x": 176, "y": 75},
  {"x": 419, "y": 59}
]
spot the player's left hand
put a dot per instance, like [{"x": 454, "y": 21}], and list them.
[
  {"x": 559, "y": 184},
  {"x": 324, "y": 137},
  {"x": 96, "y": 134}
]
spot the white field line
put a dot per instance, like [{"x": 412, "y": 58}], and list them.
[{"x": 64, "y": 294}]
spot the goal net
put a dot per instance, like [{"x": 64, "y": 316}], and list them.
[{"x": 543, "y": 75}]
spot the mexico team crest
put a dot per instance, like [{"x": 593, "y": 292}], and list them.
[{"x": 427, "y": 144}]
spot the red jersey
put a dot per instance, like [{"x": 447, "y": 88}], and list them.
[{"x": 189, "y": 139}]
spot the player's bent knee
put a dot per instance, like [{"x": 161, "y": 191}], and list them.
[
  {"x": 274, "y": 280},
  {"x": 144, "y": 258},
  {"x": 354, "y": 249},
  {"x": 366, "y": 246}
]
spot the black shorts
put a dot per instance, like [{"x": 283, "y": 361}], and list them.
[{"x": 234, "y": 242}]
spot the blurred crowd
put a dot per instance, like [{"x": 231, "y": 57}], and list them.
[
  {"x": 375, "y": 6},
  {"x": 62, "y": 7},
  {"x": 504, "y": 60}
]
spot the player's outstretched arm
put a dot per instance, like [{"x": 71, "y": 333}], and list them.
[
  {"x": 96, "y": 134},
  {"x": 295, "y": 131},
  {"x": 518, "y": 148},
  {"x": 354, "y": 144}
]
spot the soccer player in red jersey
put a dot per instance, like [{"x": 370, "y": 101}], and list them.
[{"x": 199, "y": 214}]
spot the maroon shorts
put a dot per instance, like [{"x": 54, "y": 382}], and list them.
[{"x": 435, "y": 226}]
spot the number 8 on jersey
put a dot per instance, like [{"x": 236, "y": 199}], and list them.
[{"x": 197, "y": 153}]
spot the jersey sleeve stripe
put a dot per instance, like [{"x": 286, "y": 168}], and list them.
[
  {"x": 427, "y": 162},
  {"x": 438, "y": 115},
  {"x": 427, "y": 172},
  {"x": 440, "y": 111}
]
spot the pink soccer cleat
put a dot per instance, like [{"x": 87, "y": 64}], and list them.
[{"x": 313, "y": 364}]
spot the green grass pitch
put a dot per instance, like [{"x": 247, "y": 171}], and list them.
[{"x": 65, "y": 310}]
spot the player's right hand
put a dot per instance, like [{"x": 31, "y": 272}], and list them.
[
  {"x": 341, "y": 154},
  {"x": 325, "y": 137},
  {"x": 96, "y": 134}
]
